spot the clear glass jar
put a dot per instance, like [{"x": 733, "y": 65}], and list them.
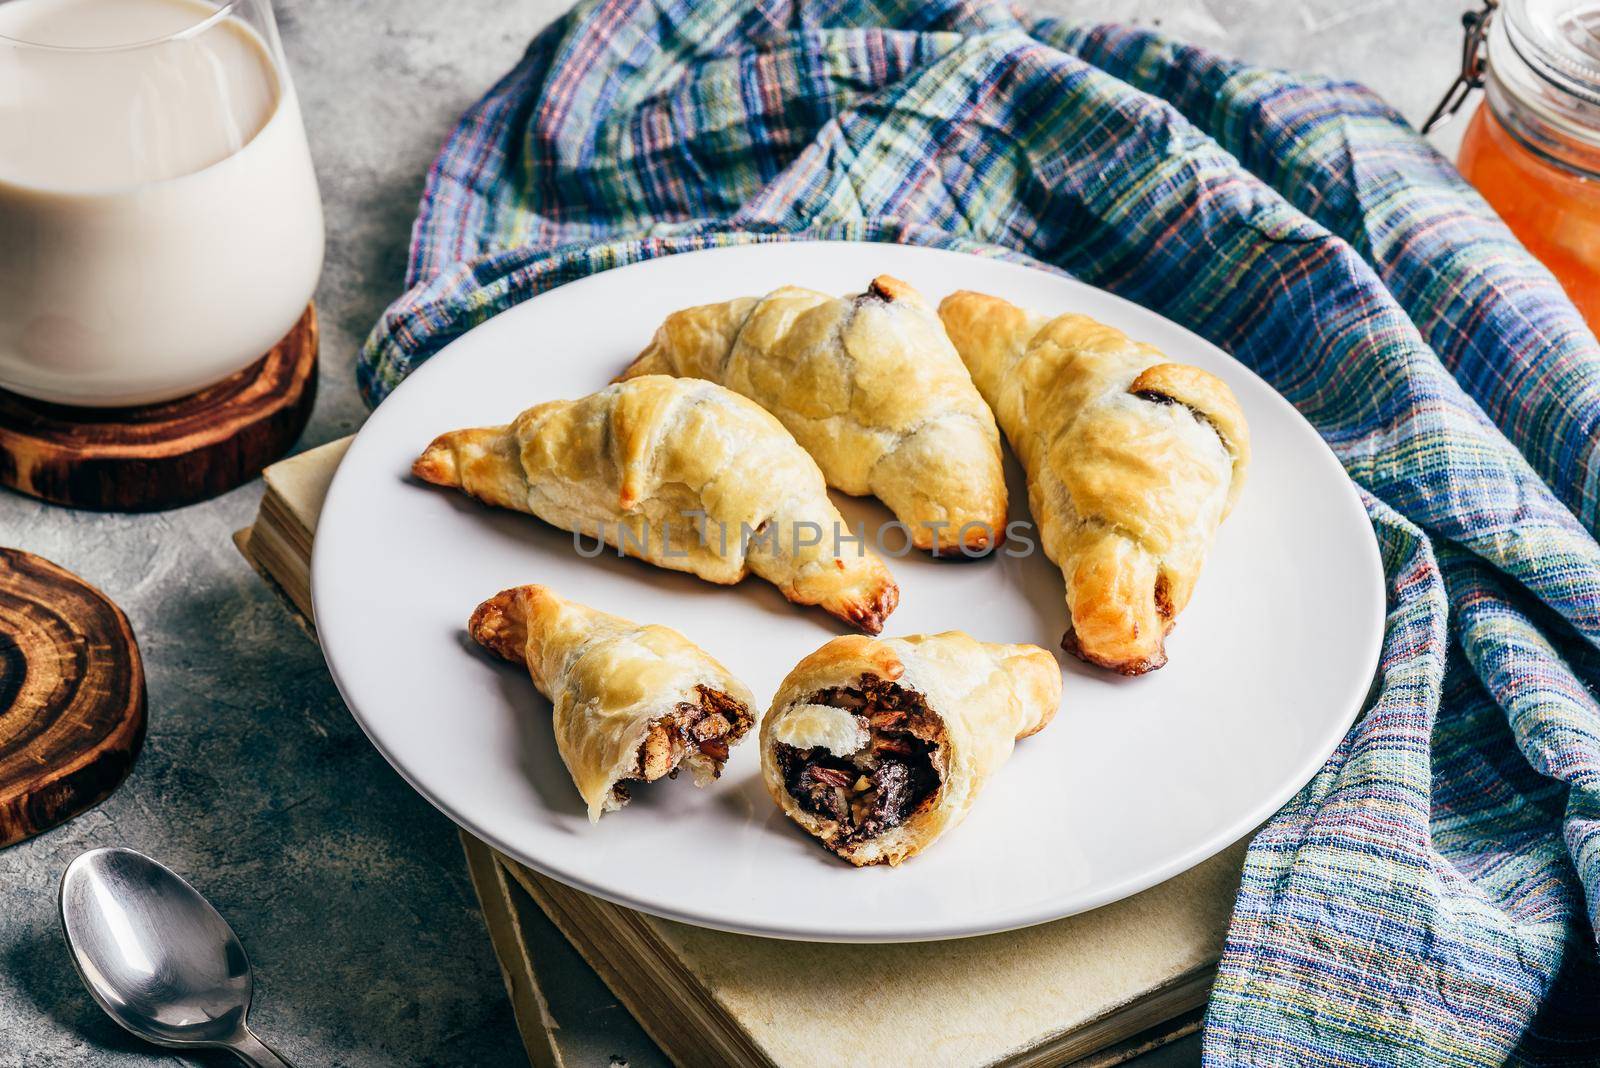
[
  {"x": 1533, "y": 148},
  {"x": 160, "y": 226}
]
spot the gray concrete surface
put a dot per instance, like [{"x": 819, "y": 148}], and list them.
[{"x": 347, "y": 889}]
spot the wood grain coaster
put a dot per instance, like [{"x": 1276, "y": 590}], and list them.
[
  {"x": 165, "y": 455},
  {"x": 72, "y": 698}
]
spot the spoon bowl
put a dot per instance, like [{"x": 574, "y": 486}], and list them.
[{"x": 156, "y": 956}]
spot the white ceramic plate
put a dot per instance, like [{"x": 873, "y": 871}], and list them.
[{"x": 1135, "y": 781}]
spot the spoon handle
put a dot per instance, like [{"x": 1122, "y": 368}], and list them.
[{"x": 254, "y": 1052}]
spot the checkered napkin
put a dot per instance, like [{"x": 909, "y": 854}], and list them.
[{"x": 1430, "y": 897}]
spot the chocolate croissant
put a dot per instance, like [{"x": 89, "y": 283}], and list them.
[
  {"x": 631, "y": 703},
  {"x": 870, "y": 387},
  {"x": 1132, "y": 463},
  {"x": 684, "y": 474},
  {"x": 876, "y": 747}
]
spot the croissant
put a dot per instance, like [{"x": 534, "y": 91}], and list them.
[
  {"x": 872, "y": 389},
  {"x": 877, "y": 747},
  {"x": 684, "y": 474},
  {"x": 1132, "y": 464},
  {"x": 631, "y": 703}
]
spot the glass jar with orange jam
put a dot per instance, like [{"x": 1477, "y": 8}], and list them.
[{"x": 1533, "y": 148}]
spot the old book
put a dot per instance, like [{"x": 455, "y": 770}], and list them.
[{"x": 1093, "y": 989}]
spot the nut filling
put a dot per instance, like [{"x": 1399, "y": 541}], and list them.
[
  {"x": 700, "y": 734},
  {"x": 894, "y": 777}
]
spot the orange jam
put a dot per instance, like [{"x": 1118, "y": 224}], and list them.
[{"x": 1553, "y": 209}]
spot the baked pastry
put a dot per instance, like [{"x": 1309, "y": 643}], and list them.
[
  {"x": 878, "y": 746},
  {"x": 686, "y": 475},
  {"x": 1132, "y": 462},
  {"x": 631, "y": 703},
  {"x": 871, "y": 388}
]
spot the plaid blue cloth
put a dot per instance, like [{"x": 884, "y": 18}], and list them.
[{"x": 1430, "y": 897}]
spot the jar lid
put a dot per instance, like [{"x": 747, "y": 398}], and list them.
[
  {"x": 1544, "y": 78},
  {"x": 1560, "y": 40}
]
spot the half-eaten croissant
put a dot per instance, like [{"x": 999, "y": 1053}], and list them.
[
  {"x": 876, "y": 747},
  {"x": 631, "y": 703}
]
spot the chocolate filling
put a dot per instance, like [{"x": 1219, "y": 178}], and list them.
[
  {"x": 880, "y": 786},
  {"x": 875, "y": 294},
  {"x": 701, "y": 732}
]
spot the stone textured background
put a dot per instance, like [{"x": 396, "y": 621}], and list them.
[{"x": 347, "y": 889}]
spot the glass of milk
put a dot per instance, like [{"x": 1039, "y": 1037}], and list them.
[{"x": 160, "y": 227}]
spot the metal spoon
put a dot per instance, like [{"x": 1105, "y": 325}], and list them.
[{"x": 157, "y": 957}]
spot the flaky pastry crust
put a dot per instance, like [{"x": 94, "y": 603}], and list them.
[
  {"x": 684, "y": 474},
  {"x": 940, "y": 711},
  {"x": 630, "y": 702},
  {"x": 1133, "y": 461},
  {"x": 870, "y": 386}
]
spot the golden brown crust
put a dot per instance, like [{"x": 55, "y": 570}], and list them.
[
  {"x": 1132, "y": 463},
  {"x": 888, "y": 287},
  {"x": 1130, "y": 668},
  {"x": 437, "y": 464},
  {"x": 1035, "y": 680},
  {"x": 870, "y": 615},
  {"x": 498, "y": 625},
  {"x": 630, "y": 702},
  {"x": 978, "y": 322},
  {"x": 870, "y": 386},
  {"x": 852, "y": 653},
  {"x": 1209, "y": 398},
  {"x": 681, "y": 473},
  {"x": 972, "y": 701}
]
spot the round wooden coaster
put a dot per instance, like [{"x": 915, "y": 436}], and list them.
[
  {"x": 71, "y": 696},
  {"x": 163, "y": 455}
]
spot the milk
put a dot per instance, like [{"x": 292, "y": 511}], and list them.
[{"x": 160, "y": 226}]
